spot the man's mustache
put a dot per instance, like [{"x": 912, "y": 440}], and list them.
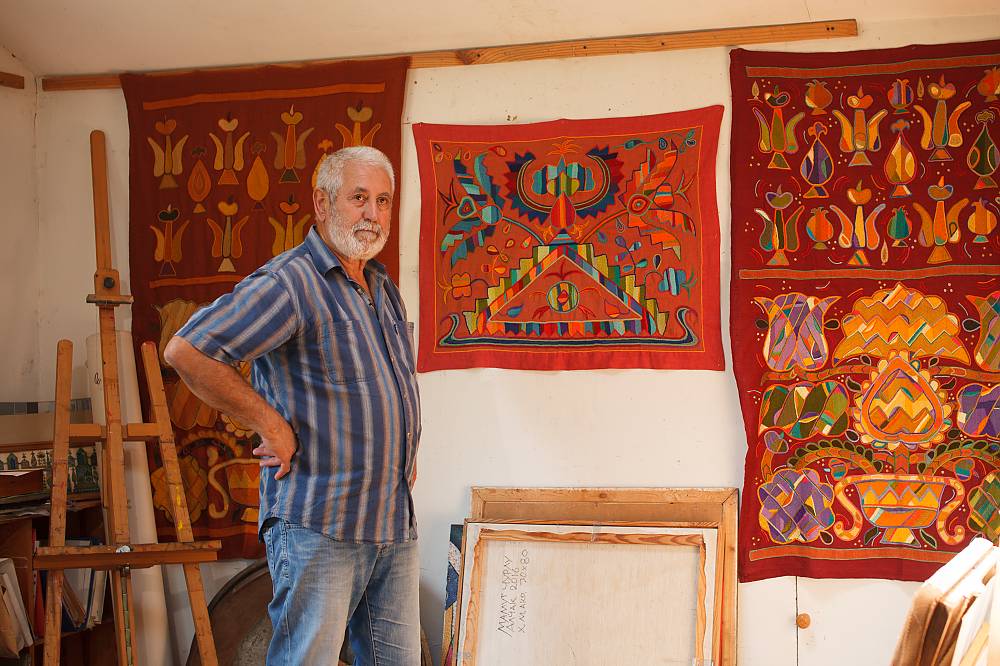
[{"x": 367, "y": 226}]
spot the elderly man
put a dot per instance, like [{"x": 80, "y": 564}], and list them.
[{"x": 335, "y": 403}]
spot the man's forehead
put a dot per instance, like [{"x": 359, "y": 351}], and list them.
[
  {"x": 359, "y": 187},
  {"x": 362, "y": 177}
]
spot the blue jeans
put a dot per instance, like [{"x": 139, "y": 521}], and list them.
[{"x": 322, "y": 586}]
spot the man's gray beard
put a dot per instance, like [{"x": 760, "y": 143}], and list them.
[{"x": 347, "y": 244}]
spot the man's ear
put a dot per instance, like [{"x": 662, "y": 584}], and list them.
[{"x": 321, "y": 204}]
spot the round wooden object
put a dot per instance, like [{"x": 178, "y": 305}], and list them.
[
  {"x": 802, "y": 620},
  {"x": 242, "y": 627}
]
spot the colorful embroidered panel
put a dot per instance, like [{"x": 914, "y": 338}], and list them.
[
  {"x": 570, "y": 244},
  {"x": 866, "y": 307},
  {"x": 221, "y": 175}
]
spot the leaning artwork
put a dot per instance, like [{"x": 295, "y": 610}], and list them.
[{"x": 561, "y": 594}]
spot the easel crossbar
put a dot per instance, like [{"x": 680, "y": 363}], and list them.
[
  {"x": 140, "y": 556},
  {"x": 131, "y": 432}
]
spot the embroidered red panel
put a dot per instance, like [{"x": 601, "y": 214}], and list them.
[
  {"x": 221, "y": 176},
  {"x": 866, "y": 307},
  {"x": 570, "y": 244}
]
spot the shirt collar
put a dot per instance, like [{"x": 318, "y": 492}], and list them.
[{"x": 326, "y": 260}]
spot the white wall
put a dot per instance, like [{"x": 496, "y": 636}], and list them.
[
  {"x": 500, "y": 427},
  {"x": 66, "y": 221},
  {"x": 19, "y": 246}
]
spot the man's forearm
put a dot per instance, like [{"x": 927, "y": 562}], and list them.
[{"x": 221, "y": 386}]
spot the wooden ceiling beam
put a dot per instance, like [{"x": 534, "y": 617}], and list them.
[{"x": 576, "y": 48}]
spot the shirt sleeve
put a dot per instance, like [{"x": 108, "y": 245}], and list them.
[{"x": 257, "y": 316}]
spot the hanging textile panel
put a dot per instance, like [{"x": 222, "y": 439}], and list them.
[
  {"x": 570, "y": 244},
  {"x": 222, "y": 167},
  {"x": 866, "y": 307}
]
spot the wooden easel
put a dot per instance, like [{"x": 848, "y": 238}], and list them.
[{"x": 119, "y": 556}]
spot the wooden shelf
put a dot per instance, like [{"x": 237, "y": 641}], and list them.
[
  {"x": 84, "y": 647},
  {"x": 78, "y": 502}
]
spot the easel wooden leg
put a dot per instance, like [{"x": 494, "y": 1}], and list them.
[
  {"x": 116, "y": 527},
  {"x": 60, "y": 481},
  {"x": 182, "y": 522},
  {"x": 199, "y": 613},
  {"x": 124, "y": 630}
]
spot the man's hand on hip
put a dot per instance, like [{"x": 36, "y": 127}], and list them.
[
  {"x": 222, "y": 387},
  {"x": 277, "y": 449}
]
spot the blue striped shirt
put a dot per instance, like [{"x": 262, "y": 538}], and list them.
[{"x": 340, "y": 369}]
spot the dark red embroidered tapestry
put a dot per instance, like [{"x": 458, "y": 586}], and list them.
[
  {"x": 221, "y": 175},
  {"x": 570, "y": 244},
  {"x": 866, "y": 307}
]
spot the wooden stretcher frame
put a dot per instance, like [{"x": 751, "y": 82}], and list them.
[
  {"x": 706, "y": 508},
  {"x": 470, "y": 651}
]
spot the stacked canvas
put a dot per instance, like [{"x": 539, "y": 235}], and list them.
[
  {"x": 83, "y": 595},
  {"x": 15, "y": 632},
  {"x": 656, "y": 566},
  {"x": 948, "y": 622}
]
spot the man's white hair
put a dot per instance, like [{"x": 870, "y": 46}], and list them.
[{"x": 331, "y": 171}]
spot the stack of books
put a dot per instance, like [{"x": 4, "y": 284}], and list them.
[
  {"x": 949, "y": 620},
  {"x": 83, "y": 595},
  {"x": 87, "y": 587},
  {"x": 84, "y": 592}
]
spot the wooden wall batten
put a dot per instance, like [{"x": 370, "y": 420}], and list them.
[
  {"x": 8, "y": 80},
  {"x": 576, "y": 48}
]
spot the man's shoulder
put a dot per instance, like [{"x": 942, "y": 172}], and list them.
[{"x": 294, "y": 261}]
